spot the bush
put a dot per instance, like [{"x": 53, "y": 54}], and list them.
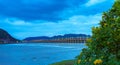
[{"x": 104, "y": 45}]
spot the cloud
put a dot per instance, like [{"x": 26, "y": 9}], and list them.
[
  {"x": 20, "y": 23},
  {"x": 28, "y": 10},
  {"x": 75, "y": 24},
  {"x": 50, "y": 10},
  {"x": 16, "y": 22},
  {"x": 93, "y": 2},
  {"x": 82, "y": 9}
]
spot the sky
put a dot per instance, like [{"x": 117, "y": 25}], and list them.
[{"x": 30, "y": 18}]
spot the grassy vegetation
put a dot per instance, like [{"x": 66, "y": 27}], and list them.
[{"x": 65, "y": 62}]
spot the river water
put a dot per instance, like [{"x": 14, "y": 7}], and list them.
[{"x": 38, "y": 53}]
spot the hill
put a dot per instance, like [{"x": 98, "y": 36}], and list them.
[
  {"x": 67, "y": 38},
  {"x": 5, "y": 37}
]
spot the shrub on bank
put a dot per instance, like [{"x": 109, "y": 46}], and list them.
[{"x": 104, "y": 45}]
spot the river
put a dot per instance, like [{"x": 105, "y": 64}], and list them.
[{"x": 38, "y": 53}]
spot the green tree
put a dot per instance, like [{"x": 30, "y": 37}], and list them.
[{"x": 104, "y": 45}]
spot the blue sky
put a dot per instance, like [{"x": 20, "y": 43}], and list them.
[{"x": 28, "y": 18}]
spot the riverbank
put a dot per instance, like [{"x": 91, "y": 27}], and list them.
[{"x": 65, "y": 62}]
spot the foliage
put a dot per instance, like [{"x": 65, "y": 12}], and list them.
[{"x": 104, "y": 45}]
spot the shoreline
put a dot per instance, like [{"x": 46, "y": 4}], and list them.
[
  {"x": 40, "y": 43},
  {"x": 64, "y": 62}
]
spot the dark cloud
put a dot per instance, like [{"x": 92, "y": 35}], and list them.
[{"x": 28, "y": 10}]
